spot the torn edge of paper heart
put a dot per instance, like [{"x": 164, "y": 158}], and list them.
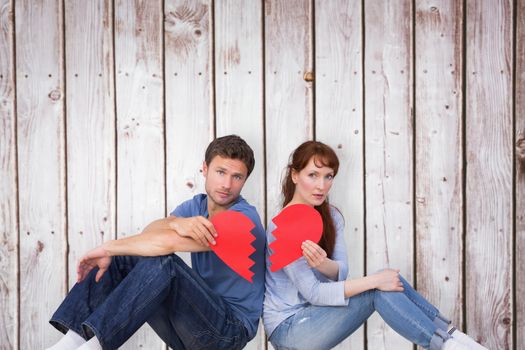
[
  {"x": 284, "y": 247},
  {"x": 244, "y": 249}
]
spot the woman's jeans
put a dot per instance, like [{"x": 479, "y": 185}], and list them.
[
  {"x": 323, "y": 327},
  {"x": 162, "y": 291}
]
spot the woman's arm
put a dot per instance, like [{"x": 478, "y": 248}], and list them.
[
  {"x": 386, "y": 280},
  {"x": 336, "y": 267},
  {"x": 316, "y": 258}
]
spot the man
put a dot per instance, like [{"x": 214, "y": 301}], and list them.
[{"x": 207, "y": 306}]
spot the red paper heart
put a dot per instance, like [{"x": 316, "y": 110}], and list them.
[
  {"x": 295, "y": 224},
  {"x": 233, "y": 243}
]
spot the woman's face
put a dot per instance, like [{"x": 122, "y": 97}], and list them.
[{"x": 312, "y": 183}]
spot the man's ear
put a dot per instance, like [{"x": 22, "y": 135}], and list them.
[{"x": 204, "y": 168}]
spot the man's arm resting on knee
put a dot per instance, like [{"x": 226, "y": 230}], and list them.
[
  {"x": 158, "y": 238},
  {"x": 161, "y": 237}
]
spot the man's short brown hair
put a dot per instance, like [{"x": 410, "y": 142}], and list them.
[{"x": 233, "y": 147}]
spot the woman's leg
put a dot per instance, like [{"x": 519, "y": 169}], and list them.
[
  {"x": 409, "y": 319},
  {"x": 323, "y": 327},
  {"x": 430, "y": 310}
]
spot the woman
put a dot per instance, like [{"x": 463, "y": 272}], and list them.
[{"x": 310, "y": 304}]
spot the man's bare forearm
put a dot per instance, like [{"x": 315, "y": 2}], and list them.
[{"x": 156, "y": 239}]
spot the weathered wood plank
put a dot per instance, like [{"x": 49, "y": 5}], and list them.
[
  {"x": 41, "y": 167},
  {"x": 439, "y": 188},
  {"x": 339, "y": 121},
  {"x": 288, "y": 96},
  {"x": 140, "y": 127},
  {"x": 8, "y": 184},
  {"x": 239, "y": 92},
  {"x": 90, "y": 127},
  {"x": 388, "y": 149},
  {"x": 238, "y": 83},
  {"x": 520, "y": 175},
  {"x": 489, "y": 173},
  {"x": 189, "y": 105}
]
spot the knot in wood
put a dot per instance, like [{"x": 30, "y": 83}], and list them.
[
  {"x": 308, "y": 77},
  {"x": 55, "y": 95},
  {"x": 520, "y": 149}
]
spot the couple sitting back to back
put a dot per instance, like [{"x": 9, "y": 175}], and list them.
[{"x": 309, "y": 304}]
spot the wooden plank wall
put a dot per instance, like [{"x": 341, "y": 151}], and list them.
[
  {"x": 9, "y": 249},
  {"x": 106, "y": 108}
]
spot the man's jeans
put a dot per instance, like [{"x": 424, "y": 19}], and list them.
[
  {"x": 162, "y": 291},
  {"x": 323, "y": 327}
]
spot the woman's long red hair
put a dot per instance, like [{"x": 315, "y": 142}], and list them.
[{"x": 323, "y": 156}]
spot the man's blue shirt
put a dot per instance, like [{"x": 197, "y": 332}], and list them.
[{"x": 245, "y": 298}]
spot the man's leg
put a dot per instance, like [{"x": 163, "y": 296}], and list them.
[
  {"x": 86, "y": 296},
  {"x": 199, "y": 318},
  {"x": 160, "y": 322}
]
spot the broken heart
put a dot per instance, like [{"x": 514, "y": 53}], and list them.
[
  {"x": 295, "y": 224},
  {"x": 233, "y": 243}
]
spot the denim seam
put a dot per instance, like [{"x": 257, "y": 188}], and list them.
[
  {"x": 205, "y": 292},
  {"x": 218, "y": 336},
  {"x": 411, "y": 322},
  {"x": 67, "y": 325},
  {"x": 100, "y": 339}
]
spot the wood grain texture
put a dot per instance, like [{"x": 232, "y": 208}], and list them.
[
  {"x": 41, "y": 167},
  {"x": 140, "y": 126},
  {"x": 239, "y": 83},
  {"x": 189, "y": 105},
  {"x": 388, "y": 149},
  {"x": 90, "y": 127},
  {"x": 489, "y": 173},
  {"x": 239, "y": 93},
  {"x": 339, "y": 121},
  {"x": 8, "y": 185},
  {"x": 520, "y": 175},
  {"x": 288, "y": 97},
  {"x": 268, "y": 45},
  {"x": 439, "y": 188}
]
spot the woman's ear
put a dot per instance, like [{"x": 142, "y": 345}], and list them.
[{"x": 295, "y": 176}]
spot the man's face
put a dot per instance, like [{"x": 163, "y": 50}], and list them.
[{"x": 224, "y": 180}]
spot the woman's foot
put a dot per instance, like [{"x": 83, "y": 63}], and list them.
[
  {"x": 465, "y": 339},
  {"x": 453, "y": 344}
]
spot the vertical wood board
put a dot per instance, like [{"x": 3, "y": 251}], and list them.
[
  {"x": 339, "y": 121},
  {"x": 439, "y": 188},
  {"x": 388, "y": 149},
  {"x": 489, "y": 173},
  {"x": 189, "y": 105},
  {"x": 41, "y": 167},
  {"x": 90, "y": 127},
  {"x": 140, "y": 126},
  {"x": 8, "y": 185}
]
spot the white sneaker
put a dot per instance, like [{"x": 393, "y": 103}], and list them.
[
  {"x": 465, "y": 339},
  {"x": 453, "y": 344}
]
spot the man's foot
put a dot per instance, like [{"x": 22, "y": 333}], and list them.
[
  {"x": 92, "y": 344},
  {"x": 68, "y": 342}
]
